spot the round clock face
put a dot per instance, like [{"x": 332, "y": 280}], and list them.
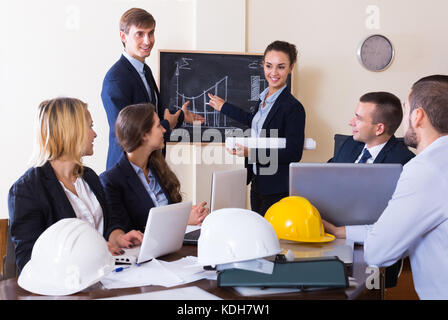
[{"x": 376, "y": 53}]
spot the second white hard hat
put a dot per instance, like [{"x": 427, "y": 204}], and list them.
[
  {"x": 67, "y": 257},
  {"x": 231, "y": 235}
]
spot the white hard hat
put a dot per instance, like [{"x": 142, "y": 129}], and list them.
[
  {"x": 230, "y": 235},
  {"x": 67, "y": 257}
]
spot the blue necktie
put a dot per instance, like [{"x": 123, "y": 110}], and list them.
[
  {"x": 365, "y": 156},
  {"x": 152, "y": 85}
]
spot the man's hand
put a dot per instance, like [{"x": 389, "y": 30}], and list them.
[
  {"x": 190, "y": 117},
  {"x": 338, "y": 232},
  {"x": 172, "y": 118}
]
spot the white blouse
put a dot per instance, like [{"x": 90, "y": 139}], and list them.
[{"x": 85, "y": 204}]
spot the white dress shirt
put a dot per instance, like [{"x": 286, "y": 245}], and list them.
[
  {"x": 359, "y": 233},
  {"x": 374, "y": 151},
  {"x": 415, "y": 223},
  {"x": 85, "y": 204}
]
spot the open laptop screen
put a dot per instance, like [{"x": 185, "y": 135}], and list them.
[{"x": 345, "y": 193}]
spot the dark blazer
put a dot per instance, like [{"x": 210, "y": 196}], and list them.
[
  {"x": 287, "y": 115},
  {"x": 123, "y": 86},
  {"x": 127, "y": 196},
  {"x": 394, "y": 151},
  {"x": 37, "y": 200}
]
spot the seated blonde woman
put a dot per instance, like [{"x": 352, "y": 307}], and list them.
[
  {"x": 142, "y": 178},
  {"x": 59, "y": 186}
]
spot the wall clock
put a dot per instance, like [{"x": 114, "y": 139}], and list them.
[{"x": 376, "y": 53}]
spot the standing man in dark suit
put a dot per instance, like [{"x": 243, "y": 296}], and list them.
[
  {"x": 377, "y": 117},
  {"x": 130, "y": 80}
]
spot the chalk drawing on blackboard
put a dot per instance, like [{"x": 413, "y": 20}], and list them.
[
  {"x": 199, "y": 103},
  {"x": 254, "y": 65},
  {"x": 257, "y": 86}
]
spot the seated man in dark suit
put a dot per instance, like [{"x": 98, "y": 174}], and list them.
[
  {"x": 377, "y": 116},
  {"x": 130, "y": 80}
]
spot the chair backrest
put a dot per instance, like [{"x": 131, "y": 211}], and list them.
[
  {"x": 8, "y": 268},
  {"x": 339, "y": 140}
]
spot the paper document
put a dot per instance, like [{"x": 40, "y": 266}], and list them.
[
  {"x": 159, "y": 273},
  {"x": 261, "y": 143},
  {"x": 188, "y": 293},
  {"x": 192, "y": 228},
  {"x": 265, "y": 143}
]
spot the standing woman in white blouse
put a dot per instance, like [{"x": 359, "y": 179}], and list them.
[{"x": 59, "y": 186}]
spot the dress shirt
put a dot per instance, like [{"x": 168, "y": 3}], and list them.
[
  {"x": 138, "y": 65},
  {"x": 415, "y": 223},
  {"x": 85, "y": 204},
  {"x": 374, "y": 151},
  {"x": 358, "y": 233},
  {"x": 262, "y": 113},
  {"x": 153, "y": 187}
]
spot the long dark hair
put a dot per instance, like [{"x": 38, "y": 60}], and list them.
[{"x": 133, "y": 122}]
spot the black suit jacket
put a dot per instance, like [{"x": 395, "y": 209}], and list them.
[
  {"x": 127, "y": 196},
  {"x": 287, "y": 115},
  {"x": 123, "y": 86},
  {"x": 37, "y": 200},
  {"x": 394, "y": 151}
]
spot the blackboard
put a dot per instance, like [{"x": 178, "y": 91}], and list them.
[{"x": 238, "y": 78}]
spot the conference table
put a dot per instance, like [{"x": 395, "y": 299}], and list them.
[{"x": 358, "y": 273}]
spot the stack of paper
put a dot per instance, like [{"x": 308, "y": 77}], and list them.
[{"x": 157, "y": 272}]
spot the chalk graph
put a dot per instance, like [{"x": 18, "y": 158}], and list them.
[{"x": 199, "y": 103}]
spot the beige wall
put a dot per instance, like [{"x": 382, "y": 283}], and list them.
[
  {"x": 330, "y": 79},
  {"x": 61, "y": 47}
]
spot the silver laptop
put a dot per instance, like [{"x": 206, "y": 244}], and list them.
[
  {"x": 164, "y": 233},
  {"x": 345, "y": 193},
  {"x": 228, "y": 191}
]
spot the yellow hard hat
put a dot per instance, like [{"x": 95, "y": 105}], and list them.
[{"x": 295, "y": 218}]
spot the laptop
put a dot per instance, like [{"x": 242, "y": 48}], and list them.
[
  {"x": 228, "y": 191},
  {"x": 345, "y": 193},
  {"x": 164, "y": 233}
]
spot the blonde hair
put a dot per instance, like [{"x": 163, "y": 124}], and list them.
[{"x": 61, "y": 131}]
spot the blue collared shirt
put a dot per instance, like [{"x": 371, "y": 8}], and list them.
[
  {"x": 262, "y": 113},
  {"x": 153, "y": 187},
  {"x": 138, "y": 65}
]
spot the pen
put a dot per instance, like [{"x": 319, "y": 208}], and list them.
[{"x": 119, "y": 269}]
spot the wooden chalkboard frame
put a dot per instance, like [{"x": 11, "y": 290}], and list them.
[{"x": 194, "y": 138}]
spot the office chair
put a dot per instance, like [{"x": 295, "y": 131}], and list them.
[{"x": 9, "y": 268}]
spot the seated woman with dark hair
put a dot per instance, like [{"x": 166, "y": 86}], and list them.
[
  {"x": 59, "y": 186},
  {"x": 142, "y": 178}
]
